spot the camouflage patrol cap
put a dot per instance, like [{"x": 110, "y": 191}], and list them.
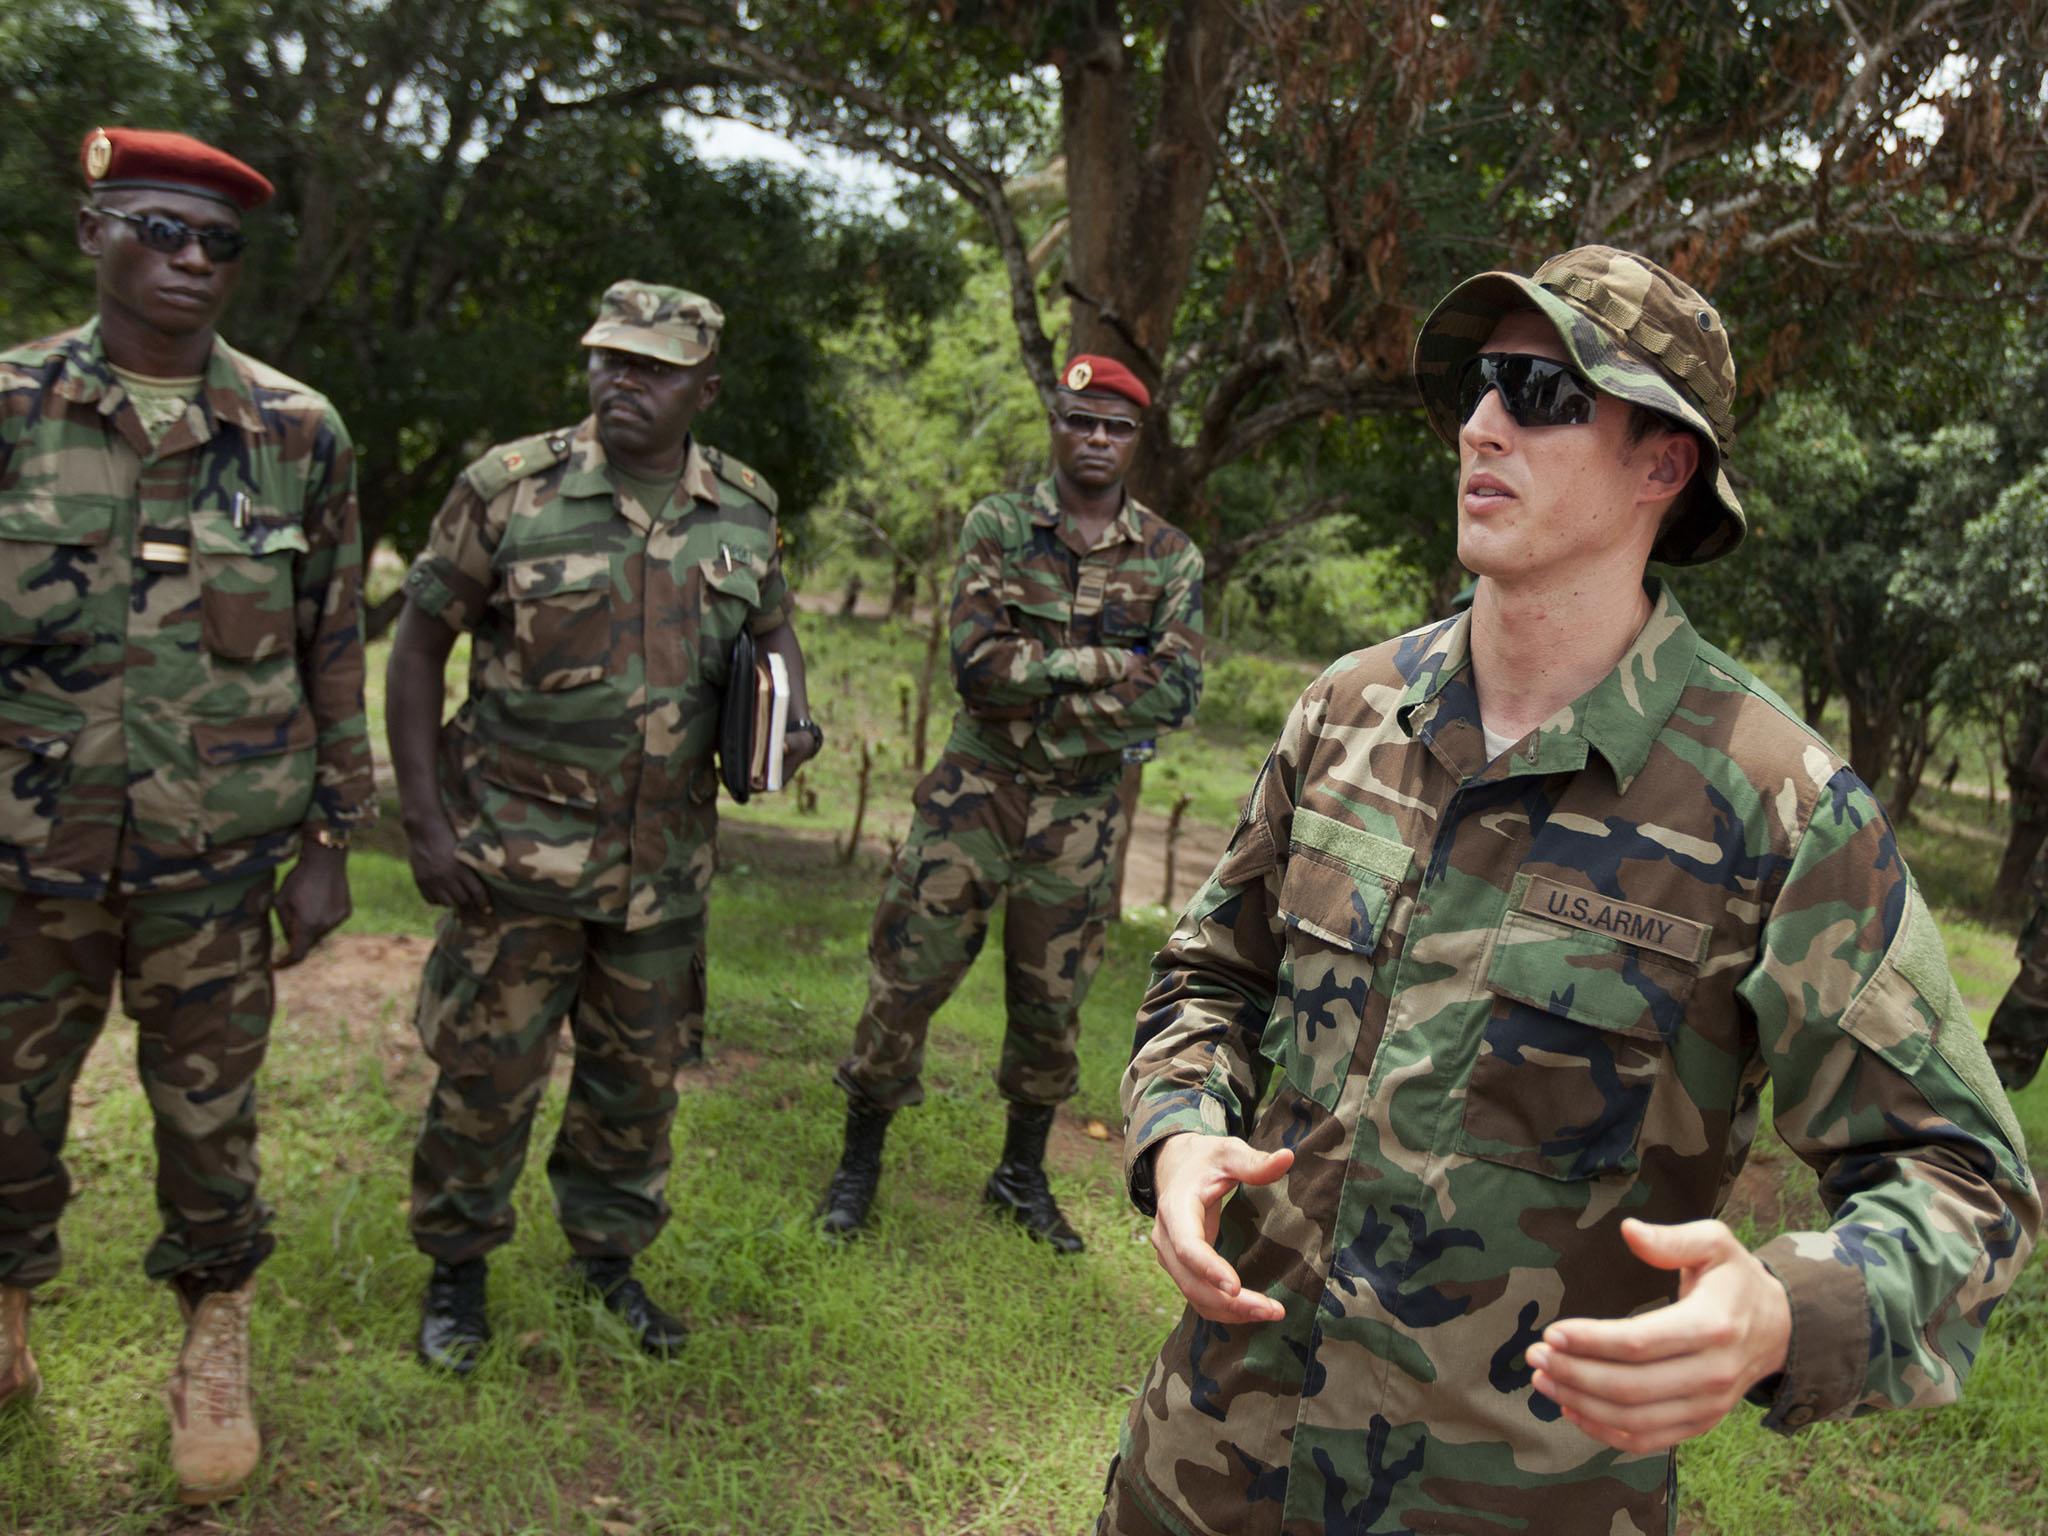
[
  {"x": 1636, "y": 332},
  {"x": 654, "y": 320}
]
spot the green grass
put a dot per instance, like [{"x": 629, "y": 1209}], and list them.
[{"x": 943, "y": 1376}]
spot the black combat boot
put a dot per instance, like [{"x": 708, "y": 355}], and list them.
[
  {"x": 844, "y": 1210},
  {"x": 453, "y": 1327},
  {"x": 613, "y": 1282},
  {"x": 1018, "y": 1184}
]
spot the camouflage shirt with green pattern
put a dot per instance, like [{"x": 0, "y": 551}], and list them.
[
  {"x": 181, "y": 640},
  {"x": 577, "y": 774},
  {"x": 1041, "y": 626},
  {"x": 1496, "y": 1007}
]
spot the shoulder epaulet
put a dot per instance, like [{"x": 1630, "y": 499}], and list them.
[
  {"x": 739, "y": 476},
  {"x": 514, "y": 461}
]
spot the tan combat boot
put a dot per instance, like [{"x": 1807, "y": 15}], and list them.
[
  {"x": 214, "y": 1444},
  {"x": 19, "y": 1378}
]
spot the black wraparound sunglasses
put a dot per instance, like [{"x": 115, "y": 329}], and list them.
[
  {"x": 1118, "y": 429},
  {"x": 1537, "y": 391},
  {"x": 161, "y": 232}
]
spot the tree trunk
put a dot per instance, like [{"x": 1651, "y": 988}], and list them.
[
  {"x": 1911, "y": 747},
  {"x": 1136, "y": 209},
  {"x": 1815, "y": 693},
  {"x": 2029, "y": 790},
  {"x": 1871, "y": 728}
]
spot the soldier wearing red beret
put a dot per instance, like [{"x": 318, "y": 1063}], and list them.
[
  {"x": 1076, "y": 641},
  {"x": 183, "y": 715}
]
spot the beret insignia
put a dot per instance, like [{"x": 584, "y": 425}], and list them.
[
  {"x": 99, "y": 154},
  {"x": 1078, "y": 376}
]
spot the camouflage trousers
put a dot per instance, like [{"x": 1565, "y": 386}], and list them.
[
  {"x": 194, "y": 968},
  {"x": 976, "y": 835},
  {"x": 493, "y": 997},
  {"x": 2018, "y": 1036}
]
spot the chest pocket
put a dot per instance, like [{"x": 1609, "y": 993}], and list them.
[
  {"x": 1336, "y": 897},
  {"x": 1578, "y": 1034},
  {"x": 247, "y": 594},
  {"x": 731, "y": 583},
  {"x": 50, "y": 564},
  {"x": 562, "y": 611}
]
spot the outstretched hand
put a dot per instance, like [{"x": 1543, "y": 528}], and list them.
[
  {"x": 1192, "y": 1176},
  {"x": 1644, "y": 1383}
]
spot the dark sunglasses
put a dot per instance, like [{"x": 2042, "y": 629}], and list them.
[
  {"x": 1118, "y": 429},
  {"x": 1537, "y": 391},
  {"x": 161, "y": 232}
]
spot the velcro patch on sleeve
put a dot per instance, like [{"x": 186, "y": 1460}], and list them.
[{"x": 1645, "y": 927}]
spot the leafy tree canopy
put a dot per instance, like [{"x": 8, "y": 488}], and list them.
[{"x": 457, "y": 184}]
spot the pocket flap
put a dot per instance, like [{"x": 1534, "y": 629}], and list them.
[
  {"x": 47, "y": 519},
  {"x": 538, "y": 778},
  {"x": 262, "y": 533},
  {"x": 550, "y": 575},
  {"x": 740, "y": 578},
  {"x": 220, "y": 743},
  {"x": 1334, "y": 902},
  {"x": 1366, "y": 852},
  {"x": 1590, "y": 978}
]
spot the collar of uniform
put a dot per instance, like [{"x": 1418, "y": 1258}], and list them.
[
  {"x": 698, "y": 482},
  {"x": 1045, "y": 511},
  {"x": 586, "y": 473},
  {"x": 226, "y": 392},
  {"x": 1619, "y": 717},
  {"x": 1628, "y": 708},
  {"x": 589, "y": 471}
]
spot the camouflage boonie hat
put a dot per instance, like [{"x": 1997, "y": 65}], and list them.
[
  {"x": 1637, "y": 333},
  {"x": 653, "y": 320}
]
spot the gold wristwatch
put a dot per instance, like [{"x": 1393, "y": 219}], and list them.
[{"x": 331, "y": 837}]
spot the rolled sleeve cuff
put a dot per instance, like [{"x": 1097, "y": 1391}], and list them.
[
  {"x": 426, "y": 591},
  {"x": 1827, "y": 1356},
  {"x": 1172, "y": 1113},
  {"x": 765, "y": 621},
  {"x": 1084, "y": 666}
]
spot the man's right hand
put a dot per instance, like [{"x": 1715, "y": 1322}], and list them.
[
  {"x": 443, "y": 879},
  {"x": 1192, "y": 1175}
]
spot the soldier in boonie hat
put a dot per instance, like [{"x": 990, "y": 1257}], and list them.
[
  {"x": 655, "y": 320},
  {"x": 1633, "y": 330}
]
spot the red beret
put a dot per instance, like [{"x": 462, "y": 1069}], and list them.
[
  {"x": 1088, "y": 371},
  {"x": 169, "y": 162}
]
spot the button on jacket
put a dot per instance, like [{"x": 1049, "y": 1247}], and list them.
[
  {"x": 577, "y": 775},
  {"x": 1497, "y": 1007},
  {"x": 1040, "y": 628},
  {"x": 181, "y": 665}
]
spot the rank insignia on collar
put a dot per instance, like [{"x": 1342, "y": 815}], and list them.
[
  {"x": 1078, "y": 376},
  {"x": 748, "y": 476}
]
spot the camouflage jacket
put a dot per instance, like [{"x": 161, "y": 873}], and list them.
[
  {"x": 577, "y": 775},
  {"x": 1495, "y": 1008},
  {"x": 182, "y": 633},
  {"x": 1040, "y": 628}
]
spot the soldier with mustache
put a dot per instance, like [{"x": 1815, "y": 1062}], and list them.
[{"x": 565, "y": 815}]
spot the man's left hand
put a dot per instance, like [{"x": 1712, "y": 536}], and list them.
[
  {"x": 798, "y": 748},
  {"x": 1644, "y": 1383},
  {"x": 313, "y": 901}
]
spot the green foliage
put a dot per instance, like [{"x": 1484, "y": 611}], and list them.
[
  {"x": 456, "y": 185},
  {"x": 1250, "y": 692},
  {"x": 938, "y": 427}
]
